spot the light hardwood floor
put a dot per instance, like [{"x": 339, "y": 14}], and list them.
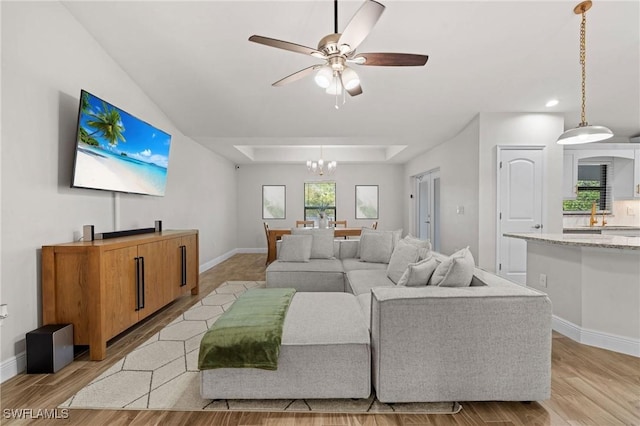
[{"x": 590, "y": 386}]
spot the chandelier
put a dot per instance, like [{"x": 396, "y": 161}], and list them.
[
  {"x": 584, "y": 133},
  {"x": 320, "y": 167}
]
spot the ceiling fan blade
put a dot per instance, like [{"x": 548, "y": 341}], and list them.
[
  {"x": 360, "y": 25},
  {"x": 390, "y": 59},
  {"x": 292, "y": 47},
  {"x": 297, "y": 75}
]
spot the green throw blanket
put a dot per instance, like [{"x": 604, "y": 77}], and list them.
[{"x": 249, "y": 333}]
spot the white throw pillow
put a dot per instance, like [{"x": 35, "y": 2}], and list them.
[
  {"x": 423, "y": 245},
  {"x": 395, "y": 237},
  {"x": 403, "y": 254},
  {"x": 376, "y": 247},
  {"x": 295, "y": 248},
  {"x": 456, "y": 271},
  {"x": 322, "y": 243},
  {"x": 418, "y": 274}
]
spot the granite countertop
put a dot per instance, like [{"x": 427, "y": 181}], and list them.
[
  {"x": 599, "y": 228},
  {"x": 584, "y": 240}
]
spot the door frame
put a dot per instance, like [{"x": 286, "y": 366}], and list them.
[
  {"x": 417, "y": 179},
  {"x": 499, "y": 150}
]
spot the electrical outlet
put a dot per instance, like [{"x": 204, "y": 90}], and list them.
[
  {"x": 630, "y": 211},
  {"x": 543, "y": 280},
  {"x": 460, "y": 209}
]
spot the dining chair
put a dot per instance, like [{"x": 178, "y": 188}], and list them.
[
  {"x": 304, "y": 223},
  {"x": 266, "y": 231},
  {"x": 335, "y": 223}
]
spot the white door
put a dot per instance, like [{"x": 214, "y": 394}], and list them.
[
  {"x": 429, "y": 208},
  {"x": 519, "y": 208}
]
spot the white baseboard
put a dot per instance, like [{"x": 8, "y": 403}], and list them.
[
  {"x": 13, "y": 366},
  {"x": 598, "y": 339},
  {"x": 251, "y": 250}
]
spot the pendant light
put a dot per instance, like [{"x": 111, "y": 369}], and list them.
[{"x": 584, "y": 133}]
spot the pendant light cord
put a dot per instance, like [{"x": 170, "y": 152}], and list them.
[
  {"x": 335, "y": 16},
  {"x": 583, "y": 63}
]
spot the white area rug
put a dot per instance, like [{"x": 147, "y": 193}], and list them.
[{"x": 162, "y": 373}]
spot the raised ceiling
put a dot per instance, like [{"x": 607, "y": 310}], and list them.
[{"x": 194, "y": 61}]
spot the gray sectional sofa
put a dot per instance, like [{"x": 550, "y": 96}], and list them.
[{"x": 487, "y": 340}]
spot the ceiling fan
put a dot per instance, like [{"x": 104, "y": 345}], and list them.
[{"x": 339, "y": 49}]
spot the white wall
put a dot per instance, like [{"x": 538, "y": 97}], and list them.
[
  {"x": 47, "y": 57},
  {"x": 468, "y": 178},
  {"x": 517, "y": 129},
  {"x": 457, "y": 160},
  {"x": 252, "y": 177}
]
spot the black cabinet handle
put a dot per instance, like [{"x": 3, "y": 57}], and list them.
[
  {"x": 137, "y": 259},
  {"x": 142, "y": 273},
  {"x": 184, "y": 266}
]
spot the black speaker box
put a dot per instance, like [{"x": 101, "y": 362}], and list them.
[{"x": 49, "y": 348}]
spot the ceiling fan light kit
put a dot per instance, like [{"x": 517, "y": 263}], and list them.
[
  {"x": 584, "y": 133},
  {"x": 338, "y": 49}
]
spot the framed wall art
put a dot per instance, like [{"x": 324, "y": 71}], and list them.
[
  {"x": 366, "y": 201},
  {"x": 274, "y": 201}
]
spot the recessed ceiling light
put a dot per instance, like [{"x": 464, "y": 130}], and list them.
[{"x": 552, "y": 103}]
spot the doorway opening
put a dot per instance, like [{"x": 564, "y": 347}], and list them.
[{"x": 428, "y": 207}]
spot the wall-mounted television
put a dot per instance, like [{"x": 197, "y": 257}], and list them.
[{"x": 116, "y": 151}]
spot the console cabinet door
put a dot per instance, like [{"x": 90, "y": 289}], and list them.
[
  {"x": 191, "y": 262},
  {"x": 156, "y": 276},
  {"x": 120, "y": 283}
]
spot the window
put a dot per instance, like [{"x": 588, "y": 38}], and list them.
[
  {"x": 319, "y": 197},
  {"x": 593, "y": 186}
]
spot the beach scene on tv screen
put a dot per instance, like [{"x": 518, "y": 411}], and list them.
[{"x": 117, "y": 151}]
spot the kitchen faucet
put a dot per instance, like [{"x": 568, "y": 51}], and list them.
[{"x": 593, "y": 220}]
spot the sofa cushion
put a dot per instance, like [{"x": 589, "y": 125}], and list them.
[
  {"x": 356, "y": 264},
  {"x": 395, "y": 237},
  {"x": 361, "y": 282},
  {"x": 403, "y": 254},
  {"x": 295, "y": 248},
  {"x": 365, "y": 305},
  {"x": 376, "y": 247},
  {"x": 423, "y": 245},
  {"x": 418, "y": 274},
  {"x": 455, "y": 271},
  {"x": 317, "y": 275},
  {"x": 322, "y": 243}
]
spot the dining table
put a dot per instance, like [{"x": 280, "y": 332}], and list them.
[{"x": 276, "y": 234}]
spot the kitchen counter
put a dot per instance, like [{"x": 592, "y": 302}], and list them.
[
  {"x": 584, "y": 240},
  {"x": 593, "y": 282},
  {"x": 600, "y": 228}
]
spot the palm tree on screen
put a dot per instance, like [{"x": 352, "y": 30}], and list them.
[{"x": 108, "y": 123}]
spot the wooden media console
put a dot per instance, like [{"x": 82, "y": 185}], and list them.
[{"x": 103, "y": 287}]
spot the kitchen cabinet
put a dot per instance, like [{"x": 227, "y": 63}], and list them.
[
  {"x": 103, "y": 287},
  {"x": 636, "y": 173},
  {"x": 625, "y": 161},
  {"x": 570, "y": 176}
]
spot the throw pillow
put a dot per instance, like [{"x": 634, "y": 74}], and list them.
[
  {"x": 403, "y": 254},
  {"x": 423, "y": 245},
  {"x": 376, "y": 247},
  {"x": 395, "y": 235},
  {"x": 455, "y": 271},
  {"x": 418, "y": 274},
  {"x": 322, "y": 243},
  {"x": 295, "y": 248}
]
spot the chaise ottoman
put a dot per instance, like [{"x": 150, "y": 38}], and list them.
[{"x": 325, "y": 353}]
